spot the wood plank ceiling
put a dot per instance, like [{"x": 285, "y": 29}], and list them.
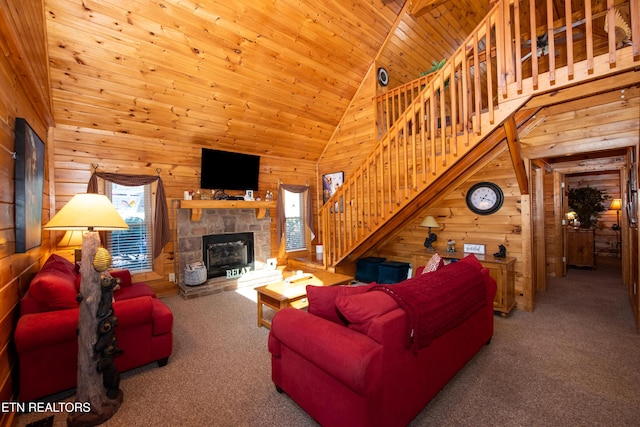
[{"x": 270, "y": 77}]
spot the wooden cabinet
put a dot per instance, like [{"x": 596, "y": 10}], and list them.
[
  {"x": 581, "y": 247},
  {"x": 502, "y": 270}
]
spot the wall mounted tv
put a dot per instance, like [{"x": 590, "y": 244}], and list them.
[{"x": 225, "y": 170}]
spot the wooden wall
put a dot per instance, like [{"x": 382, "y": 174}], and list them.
[
  {"x": 431, "y": 34},
  {"x": 23, "y": 93},
  {"x": 553, "y": 236},
  {"x": 76, "y": 150},
  {"x": 458, "y": 223}
]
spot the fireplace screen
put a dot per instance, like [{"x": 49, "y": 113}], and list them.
[{"x": 229, "y": 255}]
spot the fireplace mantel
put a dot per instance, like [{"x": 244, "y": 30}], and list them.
[{"x": 197, "y": 206}]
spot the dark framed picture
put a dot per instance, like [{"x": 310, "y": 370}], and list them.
[
  {"x": 29, "y": 181},
  {"x": 330, "y": 183}
]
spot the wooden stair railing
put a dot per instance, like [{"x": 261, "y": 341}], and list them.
[{"x": 441, "y": 117}]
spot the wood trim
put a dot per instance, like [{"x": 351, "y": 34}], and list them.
[
  {"x": 197, "y": 206},
  {"x": 516, "y": 154}
]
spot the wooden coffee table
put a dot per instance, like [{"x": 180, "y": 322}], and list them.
[{"x": 279, "y": 295}]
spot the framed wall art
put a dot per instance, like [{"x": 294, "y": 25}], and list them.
[
  {"x": 330, "y": 183},
  {"x": 29, "y": 181}
]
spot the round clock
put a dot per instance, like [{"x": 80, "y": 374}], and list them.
[
  {"x": 383, "y": 76},
  {"x": 484, "y": 198}
]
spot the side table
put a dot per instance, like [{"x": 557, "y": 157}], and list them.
[
  {"x": 292, "y": 291},
  {"x": 502, "y": 270}
]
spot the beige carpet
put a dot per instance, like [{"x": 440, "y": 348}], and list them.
[{"x": 574, "y": 361}]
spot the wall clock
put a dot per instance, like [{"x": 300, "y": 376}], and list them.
[
  {"x": 383, "y": 76},
  {"x": 485, "y": 198}
]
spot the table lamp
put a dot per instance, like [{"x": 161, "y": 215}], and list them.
[
  {"x": 430, "y": 222},
  {"x": 616, "y": 205},
  {"x": 89, "y": 213},
  {"x": 72, "y": 239}
]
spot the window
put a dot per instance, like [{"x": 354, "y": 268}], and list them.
[
  {"x": 132, "y": 248},
  {"x": 296, "y": 239}
]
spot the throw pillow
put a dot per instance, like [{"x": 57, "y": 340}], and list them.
[
  {"x": 434, "y": 263},
  {"x": 364, "y": 307},
  {"x": 322, "y": 300},
  {"x": 59, "y": 263},
  {"x": 472, "y": 261},
  {"x": 54, "y": 290}
]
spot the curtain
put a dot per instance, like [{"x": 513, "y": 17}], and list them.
[
  {"x": 161, "y": 231},
  {"x": 280, "y": 215}
]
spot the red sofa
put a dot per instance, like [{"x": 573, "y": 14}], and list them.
[
  {"x": 45, "y": 336},
  {"x": 350, "y": 360}
]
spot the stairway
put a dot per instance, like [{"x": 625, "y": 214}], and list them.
[{"x": 433, "y": 128}]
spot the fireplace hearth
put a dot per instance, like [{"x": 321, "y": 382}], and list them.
[{"x": 224, "y": 222}]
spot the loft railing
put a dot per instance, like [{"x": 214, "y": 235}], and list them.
[{"x": 428, "y": 124}]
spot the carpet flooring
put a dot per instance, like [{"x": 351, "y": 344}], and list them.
[{"x": 574, "y": 361}]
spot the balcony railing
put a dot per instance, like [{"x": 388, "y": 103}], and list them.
[{"x": 517, "y": 51}]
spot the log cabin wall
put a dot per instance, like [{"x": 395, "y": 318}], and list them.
[
  {"x": 557, "y": 132},
  {"x": 458, "y": 223},
  {"x": 553, "y": 230},
  {"x": 427, "y": 34},
  {"x": 24, "y": 93},
  {"x": 420, "y": 36},
  {"x": 179, "y": 163}
]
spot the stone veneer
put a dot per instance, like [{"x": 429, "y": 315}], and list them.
[{"x": 218, "y": 221}]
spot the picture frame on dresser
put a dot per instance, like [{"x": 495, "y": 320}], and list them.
[
  {"x": 474, "y": 248},
  {"x": 29, "y": 183}
]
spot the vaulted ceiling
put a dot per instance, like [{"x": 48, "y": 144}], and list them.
[{"x": 271, "y": 77}]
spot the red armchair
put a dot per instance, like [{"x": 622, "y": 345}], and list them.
[
  {"x": 45, "y": 335},
  {"x": 347, "y": 361}
]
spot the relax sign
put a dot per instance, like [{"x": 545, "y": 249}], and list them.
[{"x": 234, "y": 273}]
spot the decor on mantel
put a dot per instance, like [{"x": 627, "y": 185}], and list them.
[
  {"x": 98, "y": 380},
  {"x": 588, "y": 204}
]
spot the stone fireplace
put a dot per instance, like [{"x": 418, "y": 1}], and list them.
[{"x": 222, "y": 223}]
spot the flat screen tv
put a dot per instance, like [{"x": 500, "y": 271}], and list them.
[{"x": 225, "y": 170}]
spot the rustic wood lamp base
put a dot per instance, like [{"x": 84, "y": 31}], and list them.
[{"x": 96, "y": 417}]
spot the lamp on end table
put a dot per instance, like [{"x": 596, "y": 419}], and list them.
[
  {"x": 90, "y": 213},
  {"x": 430, "y": 222}
]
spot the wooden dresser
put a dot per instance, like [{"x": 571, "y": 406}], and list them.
[
  {"x": 581, "y": 247},
  {"x": 501, "y": 269}
]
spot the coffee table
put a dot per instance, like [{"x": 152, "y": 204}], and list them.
[{"x": 293, "y": 293}]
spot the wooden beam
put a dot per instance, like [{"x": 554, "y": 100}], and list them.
[
  {"x": 511, "y": 132},
  {"x": 420, "y": 7},
  {"x": 600, "y": 164}
]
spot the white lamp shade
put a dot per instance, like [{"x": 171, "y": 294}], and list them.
[
  {"x": 429, "y": 222},
  {"x": 87, "y": 211}
]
